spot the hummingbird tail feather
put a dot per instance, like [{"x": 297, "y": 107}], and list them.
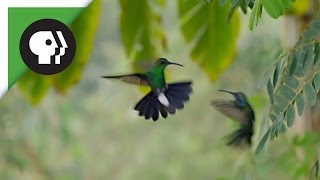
[
  {"x": 163, "y": 112},
  {"x": 178, "y": 93},
  {"x": 149, "y": 106},
  {"x": 153, "y": 111},
  {"x": 243, "y": 134},
  {"x": 164, "y": 103}
]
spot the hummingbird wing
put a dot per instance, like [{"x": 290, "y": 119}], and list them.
[
  {"x": 231, "y": 110},
  {"x": 137, "y": 79}
]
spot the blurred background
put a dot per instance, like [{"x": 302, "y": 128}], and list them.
[{"x": 92, "y": 132}]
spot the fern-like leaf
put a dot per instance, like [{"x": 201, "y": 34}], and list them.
[{"x": 296, "y": 79}]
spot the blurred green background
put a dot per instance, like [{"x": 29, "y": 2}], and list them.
[{"x": 92, "y": 131}]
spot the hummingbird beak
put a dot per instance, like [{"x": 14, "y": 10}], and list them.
[
  {"x": 172, "y": 63},
  {"x": 227, "y": 91}
]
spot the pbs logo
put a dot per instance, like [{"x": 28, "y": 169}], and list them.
[{"x": 47, "y": 46}]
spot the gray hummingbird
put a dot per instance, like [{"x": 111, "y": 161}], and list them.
[{"x": 241, "y": 111}]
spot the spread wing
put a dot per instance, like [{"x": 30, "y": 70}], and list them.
[
  {"x": 229, "y": 109},
  {"x": 137, "y": 79}
]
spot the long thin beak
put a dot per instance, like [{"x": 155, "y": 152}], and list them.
[
  {"x": 227, "y": 91},
  {"x": 172, "y": 63}
]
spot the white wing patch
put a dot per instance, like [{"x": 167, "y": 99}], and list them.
[{"x": 163, "y": 100}]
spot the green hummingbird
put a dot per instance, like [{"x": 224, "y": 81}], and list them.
[
  {"x": 164, "y": 98},
  {"x": 239, "y": 110}
]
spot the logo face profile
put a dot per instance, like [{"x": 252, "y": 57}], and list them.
[{"x": 47, "y": 46}]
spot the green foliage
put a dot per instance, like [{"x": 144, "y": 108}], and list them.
[
  {"x": 316, "y": 82},
  {"x": 297, "y": 159},
  {"x": 141, "y": 30},
  {"x": 263, "y": 141},
  {"x": 295, "y": 78},
  {"x": 243, "y": 4},
  {"x": 213, "y": 41},
  {"x": 34, "y": 87},
  {"x": 310, "y": 94},
  {"x": 315, "y": 170},
  {"x": 255, "y": 14},
  {"x": 290, "y": 115},
  {"x": 274, "y": 8},
  {"x": 300, "y": 104},
  {"x": 270, "y": 91}
]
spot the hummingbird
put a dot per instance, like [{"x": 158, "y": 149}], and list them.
[
  {"x": 241, "y": 111},
  {"x": 163, "y": 98}
]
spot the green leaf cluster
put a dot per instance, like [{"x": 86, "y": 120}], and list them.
[
  {"x": 275, "y": 8},
  {"x": 294, "y": 80},
  {"x": 141, "y": 30},
  {"x": 213, "y": 42}
]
